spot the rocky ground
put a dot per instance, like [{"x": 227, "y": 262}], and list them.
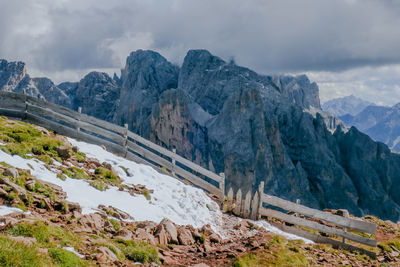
[{"x": 51, "y": 231}]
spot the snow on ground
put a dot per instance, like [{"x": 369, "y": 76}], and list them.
[
  {"x": 4, "y": 210},
  {"x": 172, "y": 199},
  {"x": 72, "y": 249}
]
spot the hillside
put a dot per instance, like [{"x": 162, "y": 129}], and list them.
[
  {"x": 254, "y": 128},
  {"x": 68, "y": 203}
]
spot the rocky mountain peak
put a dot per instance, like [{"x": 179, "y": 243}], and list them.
[
  {"x": 11, "y": 74},
  {"x": 96, "y": 94},
  {"x": 346, "y": 105}
]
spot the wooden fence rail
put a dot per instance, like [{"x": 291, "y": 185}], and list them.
[
  {"x": 115, "y": 138},
  {"x": 307, "y": 222}
]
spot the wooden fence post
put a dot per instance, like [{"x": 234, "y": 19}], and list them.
[
  {"x": 254, "y": 206},
  {"x": 296, "y": 214},
  {"x": 222, "y": 185},
  {"x": 230, "y": 195},
  {"x": 260, "y": 194},
  {"x": 126, "y": 139},
  {"x": 246, "y": 205},
  {"x": 79, "y": 119},
  {"x": 238, "y": 205},
  {"x": 346, "y": 215},
  {"x": 173, "y": 162}
]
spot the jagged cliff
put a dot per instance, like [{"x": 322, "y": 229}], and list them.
[{"x": 252, "y": 127}]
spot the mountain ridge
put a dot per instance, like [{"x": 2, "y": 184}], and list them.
[{"x": 253, "y": 127}]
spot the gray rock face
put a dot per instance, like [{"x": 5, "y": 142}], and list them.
[
  {"x": 346, "y": 105},
  {"x": 11, "y": 74},
  {"x": 299, "y": 89},
  {"x": 379, "y": 122},
  {"x": 146, "y": 75},
  {"x": 96, "y": 93},
  {"x": 252, "y": 127},
  {"x": 13, "y": 78}
]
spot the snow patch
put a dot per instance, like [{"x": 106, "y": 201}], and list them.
[
  {"x": 72, "y": 249},
  {"x": 275, "y": 230},
  {"x": 172, "y": 199},
  {"x": 4, "y": 210}
]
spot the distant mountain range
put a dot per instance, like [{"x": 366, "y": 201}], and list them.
[
  {"x": 382, "y": 123},
  {"x": 346, "y": 105},
  {"x": 231, "y": 119}
]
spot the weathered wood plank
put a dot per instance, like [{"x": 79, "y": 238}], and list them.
[
  {"x": 55, "y": 108},
  {"x": 46, "y": 112},
  {"x": 76, "y": 115},
  {"x": 238, "y": 204},
  {"x": 73, "y": 133},
  {"x": 246, "y": 205},
  {"x": 255, "y": 203},
  {"x": 178, "y": 158},
  {"x": 11, "y": 95},
  {"x": 317, "y": 214},
  {"x": 322, "y": 239},
  {"x": 12, "y": 113},
  {"x": 230, "y": 195},
  {"x": 149, "y": 155},
  {"x": 139, "y": 160},
  {"x": 199, "y": 182},
  {"x": 10, "y": 101},
  {"x": 316, "y": 226},
  {"x": 103, "y": 124}
]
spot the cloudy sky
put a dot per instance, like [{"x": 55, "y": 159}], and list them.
[{"x": 346, "y": 46}]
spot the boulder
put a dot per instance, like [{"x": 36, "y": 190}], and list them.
[
  {"x": 64, "y": 152},
  {"x": 161, "y": 235},
  {"x": 3, "y": 192},
  {"x": 214, "y": 238},
  {"x": 12, "y": 172},
  {"x": 185, "y": 236},
  {"x": 30, "y": 185},
  {"x": 171, "y": 230},
  {"x": 125, "y": 235},
  {"x": 21, "y": 192},
  {"x": 105, "y": 256},
  {"x": 145, "y": 236},
  {"x": 93, "y": 221}
]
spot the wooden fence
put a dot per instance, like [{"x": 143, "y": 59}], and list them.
[
  {"x": 304, "y": 221},
  {"x": 116, "y": 139},
  {"x": 121, "y": 141}
]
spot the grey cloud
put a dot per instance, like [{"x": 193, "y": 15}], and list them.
[{"x": 269, "y": 36}]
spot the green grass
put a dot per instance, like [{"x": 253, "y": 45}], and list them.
[
  {"x": 25, "y": 140},
  {"x": 115, "y": 224},
  {"x": 65, "y": 258},
  {"x": 14, "y": 254},
  {"x": 99, "y": 185},
  {"x": 107, "y": 176},
  {"x": 278, "y": 252},
  {"x": 76, "y": 173},
  {"x": 46, "y": 235},
  {"x": 138, "y": 252},
  {"x": 146, "y": 194}
]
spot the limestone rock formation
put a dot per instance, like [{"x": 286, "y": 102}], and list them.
[
  {"x": 96, "y": 93},
  {"x": 253, "y": 127},
  {"x": 13, "y": 78}
]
